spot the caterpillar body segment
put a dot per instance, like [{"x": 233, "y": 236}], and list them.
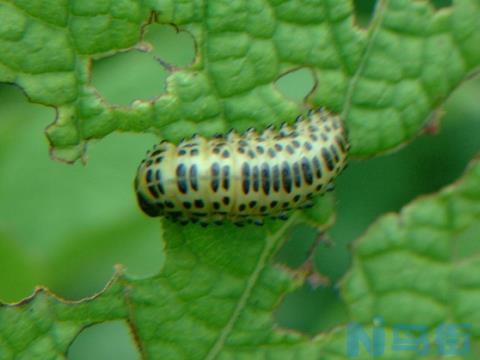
[{"x": 243, "y": 178}]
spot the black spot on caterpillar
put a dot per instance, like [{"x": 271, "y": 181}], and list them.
[{"x": 242, "y": 178}]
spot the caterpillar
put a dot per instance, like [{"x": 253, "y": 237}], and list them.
[{"x": 243, "y": 178}]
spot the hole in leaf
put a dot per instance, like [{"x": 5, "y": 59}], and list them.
[
  {"x": 21, "y": 269},
  {"x": 330, "y": 259},
  {"x": 110, "y": 340},
  {"x": 175, "y": 47},
  {"x": 438, "y": 4},
  {"x": 128, "y": 76},
  {"x": 296, "y": 84},
  {"x": 294, "y": 252},
  {"x": 312, "y": 310},
  {"x": 80, "y": 219},
  {"x": 120, "y": 235},
  {"x": 369, "y": 189},
  {"x": 364, "y": 10},
  {"x": 15, "y": 112},
  {"x": 17, "y": 270}
]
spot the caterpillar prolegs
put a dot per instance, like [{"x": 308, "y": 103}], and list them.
[{"x": 243, "y": 178}]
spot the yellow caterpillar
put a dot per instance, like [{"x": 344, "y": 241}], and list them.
[{"x": 243, "y": 178}]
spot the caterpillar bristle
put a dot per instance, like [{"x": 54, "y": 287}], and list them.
[
  {"x": 283, "y": 216},
  {"x": 330, "y": 187},
  {"x": 307, "y": 205}
]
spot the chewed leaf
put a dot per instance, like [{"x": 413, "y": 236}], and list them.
[
  {"x": 216, "y": 292},
  {"x": 385, "y": 81},
  {"x": 213, "y": 297},
  {"x": 418, "y": 267},
  {"x": 218, "y": 288}
]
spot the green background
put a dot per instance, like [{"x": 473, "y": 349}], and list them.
[{"x": 65, "y": 226}]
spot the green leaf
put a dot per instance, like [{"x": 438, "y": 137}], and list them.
[
  {"x": 385, "y": 81},
  {"x": 215, "y": 295},
  {"x": 420, "y": 266},
  {"x": 216, "y": 292}
]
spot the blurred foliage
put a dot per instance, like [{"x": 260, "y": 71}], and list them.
[{"x": 50, "y": 233}]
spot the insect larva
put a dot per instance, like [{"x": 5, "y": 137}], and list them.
[{"x": 243, "y": 178}]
